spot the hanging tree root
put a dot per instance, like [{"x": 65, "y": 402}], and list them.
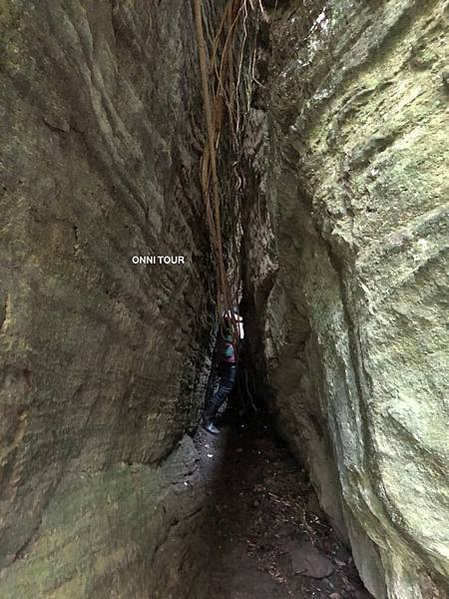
[{"x": 220, "y": 80}]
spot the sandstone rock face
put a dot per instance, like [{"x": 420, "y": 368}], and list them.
[
  {"x": 103, "y": 361},
  {"x": 349, "y": 150}
]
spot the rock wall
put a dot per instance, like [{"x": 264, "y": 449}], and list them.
[
  {"x": 103, "y": 361},
  {"x": 346, "y": 275}
]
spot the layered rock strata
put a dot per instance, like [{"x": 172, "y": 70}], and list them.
[
  {"x": 103, "y": 361},
  {"x": 347, "y": 309}
]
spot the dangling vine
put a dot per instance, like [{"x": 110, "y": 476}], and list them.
[{"x": 221, "y": 67}]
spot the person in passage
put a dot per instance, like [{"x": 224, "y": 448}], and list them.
[{"x": 226, "y": 363}]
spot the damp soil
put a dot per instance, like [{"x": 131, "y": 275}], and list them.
[{"x": 266, "y": 536}]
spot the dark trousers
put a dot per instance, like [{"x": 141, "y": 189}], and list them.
[{"x": 228, "y": 375}]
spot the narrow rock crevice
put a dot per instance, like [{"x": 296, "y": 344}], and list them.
[
  {"x": 333, "y": 209},
  {"x": 266, "y": 534}
]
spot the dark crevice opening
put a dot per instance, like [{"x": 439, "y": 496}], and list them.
[{"x": 264, "y": 532}]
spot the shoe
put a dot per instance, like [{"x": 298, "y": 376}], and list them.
[{"x": 211, "y": 428}]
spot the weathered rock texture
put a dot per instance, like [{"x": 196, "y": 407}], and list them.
[
  {"x": 347, "y": 309},
  {"x": 103, "y": 361}
]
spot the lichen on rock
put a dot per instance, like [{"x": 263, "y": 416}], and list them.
[{"x": 352, "y": 312}]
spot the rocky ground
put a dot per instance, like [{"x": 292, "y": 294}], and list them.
[{"x": 267, "y": 537}]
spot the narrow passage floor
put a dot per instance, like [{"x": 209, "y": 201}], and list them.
[{"x": 267, "y": 537}]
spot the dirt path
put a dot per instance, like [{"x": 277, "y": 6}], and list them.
[{"x": 267, "y": 537}]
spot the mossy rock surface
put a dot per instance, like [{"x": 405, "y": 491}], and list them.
[{"x": 352, "y": 305}]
